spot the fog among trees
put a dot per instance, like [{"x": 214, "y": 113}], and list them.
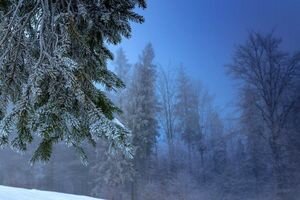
[
  {"x": 140, "y": 130},
  {"x": 184, "y": 148}
]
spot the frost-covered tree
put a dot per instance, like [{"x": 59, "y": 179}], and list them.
[
  {"x": 294, "y": 140},
  {"x": 123, "y": 71},
  {"x": 112, "y": 172},
  {"x": 182, "y": 108},
  {"x": 122, "y": 66},
  {"x": 167, "y": 115},
  {"x": 188, "y": 113},
  {"x": 142, "y": 112},
  {"x": 52, "y": 55},
  {"x": 217, "y": 143},
  {"x": 265, "y": 69},
  {"x": 143, "y": 122},
  {"x": 257, "y": 158}
]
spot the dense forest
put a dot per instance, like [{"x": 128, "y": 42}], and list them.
[
  {"x": 185, "y": 148},
  {"x": 77, "y": 118}
]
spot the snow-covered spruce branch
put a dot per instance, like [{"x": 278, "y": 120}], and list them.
[{"x": 52, "y": 53}]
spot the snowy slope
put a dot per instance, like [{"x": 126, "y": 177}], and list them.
[{"x": 11, "y": 193}]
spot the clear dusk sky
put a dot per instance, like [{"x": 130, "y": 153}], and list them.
[{"x": 202, "y": 34}]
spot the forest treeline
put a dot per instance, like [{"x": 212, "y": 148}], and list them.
[{"x": 184, "y": 146}]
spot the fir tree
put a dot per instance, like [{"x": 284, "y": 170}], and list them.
[
  {"x": 52, "y": 55},
  {"x": 142, "y": 112},
  {"x": 113, "y": 171},
  {"x": 188, "y": 114},
  {"x": 122, "y": 69},
  {"x": 143, "y": 123}
]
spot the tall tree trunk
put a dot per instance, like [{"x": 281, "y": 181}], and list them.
[
  {"x": 203, "y": 167},
  {"x": 279, "y": 172},
  {"x": 171, "y": 155},
  {"x": 133, "y": 192},
  {"x": 190, "y": 157}
]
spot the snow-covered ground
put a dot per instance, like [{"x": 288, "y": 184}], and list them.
[{"x": 11, "y": 193}]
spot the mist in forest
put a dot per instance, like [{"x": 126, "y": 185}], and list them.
[{"x": 211, "y": 102}]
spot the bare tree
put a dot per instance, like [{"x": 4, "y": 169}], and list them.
[
  {"x": 167, "y": 96},
  {"x": 269, "y": 72}
]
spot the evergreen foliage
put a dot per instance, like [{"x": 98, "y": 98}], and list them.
[
  {"x": 187, "y": 109},
  {"x": 142, "y": 115},
  {"x": 143, "y": 105},
  {"x": 52, "y": 55},
  {"x": 202, "y": 152}
]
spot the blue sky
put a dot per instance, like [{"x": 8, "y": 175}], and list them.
[{"x": 202, "y": 34}]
